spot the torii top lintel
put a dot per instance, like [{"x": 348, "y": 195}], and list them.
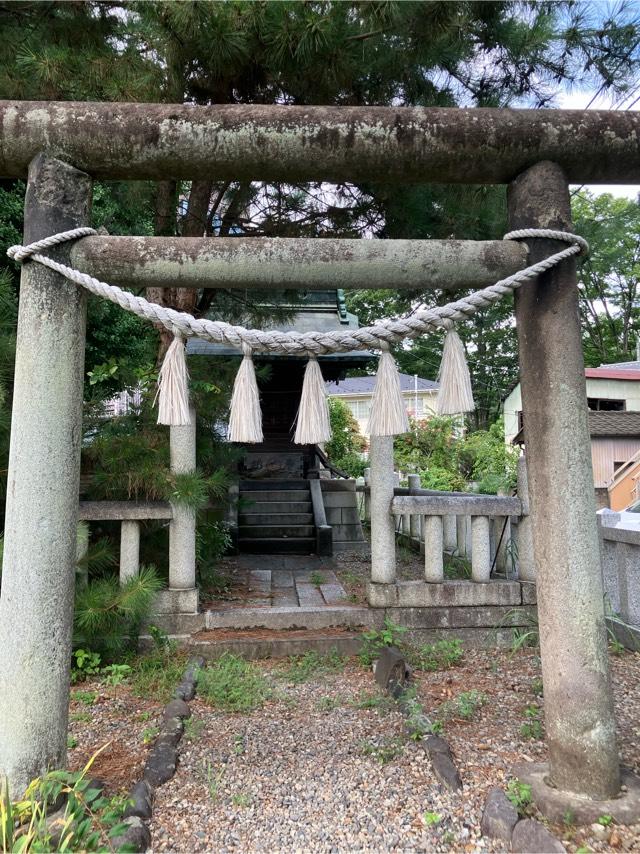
[{"x": 257, "y": 142}]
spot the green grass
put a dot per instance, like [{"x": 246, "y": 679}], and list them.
[
  {"x": 464, "y": 706},
  {"x": 156, "y": 674},
  {"x": 441, "y": 655},
  {"x": 233, "y": 684},
  {"x": 317, "y": 578},
  {"x": 386, "y": 751},
  {"x": 86, "y": 697},
  {"x": 302, "y": 668}
]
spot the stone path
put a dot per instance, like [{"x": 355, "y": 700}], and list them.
[{"x": 283, "y": 581}]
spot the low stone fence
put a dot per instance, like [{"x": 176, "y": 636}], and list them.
[{"x": 621, "y": 575}]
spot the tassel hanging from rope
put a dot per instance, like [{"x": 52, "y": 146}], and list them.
[
  {"x": 245, "y": 417},
  {"x": 454, "y": 395},
  {"x": 312, "y": 422},
  {"x": 388, "y": 410},
  {"x": 173, "y": 386}
]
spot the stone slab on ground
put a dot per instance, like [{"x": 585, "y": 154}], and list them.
[
  {"x": 417, "y": 594},
  {"x": 282, "y": 578},
  {"x": 259, "y": 645},
  {"x": 309, "y": 595},
  {"x": 499, "y": 816},
  {"x": 555, "y": 804},
  {"x": 310, "y": 617},
  {"x": 391, "y": 671},
  {"x": 442, "y": 762},
  {"x": 532, "y": 837}
]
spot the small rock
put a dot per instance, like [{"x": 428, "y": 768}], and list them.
[
  {"x": 172, "y": 730},
  {"x": 442, "y": 762},
  {"x": 161, "y": 764},
  {"x": 599, "y": 830},
  {"x": 176, "y": 709},
  {"x": 499, "y": 816},
  {"x": 391, "y": 671},
  {"x": 135, "y": 838},
  {"x": 185, "y": 691},
  {"x": 141, "y": 798},
  {"x": 531, "y": 836}
]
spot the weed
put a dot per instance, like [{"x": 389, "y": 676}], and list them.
[
  {"x": 213, "y": 778},
  {"x": 144, "y": 716},
  {"x": 441, "y": 655},
  {"x": 240, "y": 799},
  {"x": 233, "y": 684},
  {"x": 156, "y": 674},
  {"x": 448, "y": 837},
  {"x": 328, "y": 704},
  {"x": 432, "y": 818},
  {"x": 86, "y": 697},
  {"x": 519, "y": 794},
  {"x": 81, "y": 717},
  {"x": 193, "y": 728},
  {"x": 317, "y": 578},
  {"x": 150, "y": 734},
  {"x": 532, "y": 728},
  {"x": 536, "y": 687},
  {"x": 569, "y": 818},
  {"x": 116, "y": 674},
  {"x": 72, "y": 742},
  {"x": 615, "y": 647},
  {"x": 302, "y": 668},
  {"x": 605, "y": 820},
  {"x": 388, "y": 749},
  {"x": 464, "y": 706},
  {"x": 85, "y": 664},
  {"x": 373, "y": 701},
  {"x": 456, "y": 566},
  {"x": 375, "y": 641},
  {"x": 239, "y": 745}
]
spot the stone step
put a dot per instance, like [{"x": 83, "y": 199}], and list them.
[
  {"x": 255, "y": 645},
  {"x": 277, "y": 519},
  {"x": 259, "y": 507},
  {"x": 277, "y": 531},
  {"x": 304, "y": 617},
  {"x": 278, "y": 546},
  {"x": 268, "y": 484},
  {"x": 275, "y": 495}
]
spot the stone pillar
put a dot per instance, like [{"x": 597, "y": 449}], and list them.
[
  {"x": 461, "y": 535},
  {"x": 129, "y": 550},
  {"x": 38, "y": 577},
  {"x": 480, "y": 549},
  {"x": 383, "y": 537},
  {"x": 414, "y": 520},
  {"x": 182, "y": 530},
  {"x": 450, "y": 533},
  {"x": 526, "y": 559},
  {"x": 367, "y": 497},
  {"x": 579, "y": 721},
  {"x": 433, "y": 547}
]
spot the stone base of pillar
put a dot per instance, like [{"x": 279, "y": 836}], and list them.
[
  {"x": 175, "y": 601},
  {"x": 556, "y": 804}
]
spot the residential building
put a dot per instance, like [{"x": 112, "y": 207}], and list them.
[
  {"x": 357, "y": 393},
  {"x": 613, "y": 396}
]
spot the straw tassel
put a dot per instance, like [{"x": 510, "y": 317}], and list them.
[
  {"x": 388, "y": 410},
  {"x": 173, "y": 386},
  {"x": 312, "y": 422},
  {"x": 454, "y": 395},
  {"x": 245, "y": 418}
]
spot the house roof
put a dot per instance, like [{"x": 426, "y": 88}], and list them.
[
  {"x": 366, "y": 385},
  {"x": 614, "y": 424},
  {"x": 613, "y": 372}
]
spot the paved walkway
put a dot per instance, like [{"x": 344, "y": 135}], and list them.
[{"x": 284, "y": 581}]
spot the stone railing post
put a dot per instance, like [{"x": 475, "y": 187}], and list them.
[
  {"x": 367, "y": 498},
  {"x": 461, "y": 535},
  {"x": 129, "y": 549},
  {"x": 480, "y": 549},
  {"x": 414, "y": 520},
  {"x": 578, "y": 701},
  {"x": 383, "y": 536},
  {"x": 182, "y": 594},
  {"x": 433, "y": 549},
  {"x": 38, "y": 577},
  {"x": 449, "y": 529},
  {"x": 526, "y": 557}
]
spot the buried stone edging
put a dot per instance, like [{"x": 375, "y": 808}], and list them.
[
  {"x": 161, "y": 763},
  {"x": 500, "y": 820},
  {"x": 393, "y": 675}
]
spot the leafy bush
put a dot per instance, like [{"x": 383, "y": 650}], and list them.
[
  {"x": 375, "y": 641},
  {"x": 233, "y": 684},
  {"x": 88, "y": 822},
  {"x": 464, "y": 706},
  {"x": 108, "y": 616},
  {"x": 212, "y": 542},
  {"x": 346, "y": 443}
]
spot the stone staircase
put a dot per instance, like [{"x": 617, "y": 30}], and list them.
[{"x": 276, "y": 517}]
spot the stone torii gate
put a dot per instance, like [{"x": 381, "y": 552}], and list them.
[{"x": 62, "y": 146}]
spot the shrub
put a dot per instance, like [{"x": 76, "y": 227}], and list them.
[{"x": 375, "y": 641}]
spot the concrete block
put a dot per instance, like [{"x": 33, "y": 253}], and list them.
[
  {"x": 177, "y": 601},
  {"x": 418, "y": 594},
  {"x": 350, "y": 516},
  {"x": 346, "y": 532},
  {"x": 529, "y": 593},
  {"x": 337, "y": 499},
  {"x": 382, "y": 595},
  {"x": 334, "y": 515}
]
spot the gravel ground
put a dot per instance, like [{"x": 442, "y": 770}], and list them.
[{"x": 325, "y": 764}]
